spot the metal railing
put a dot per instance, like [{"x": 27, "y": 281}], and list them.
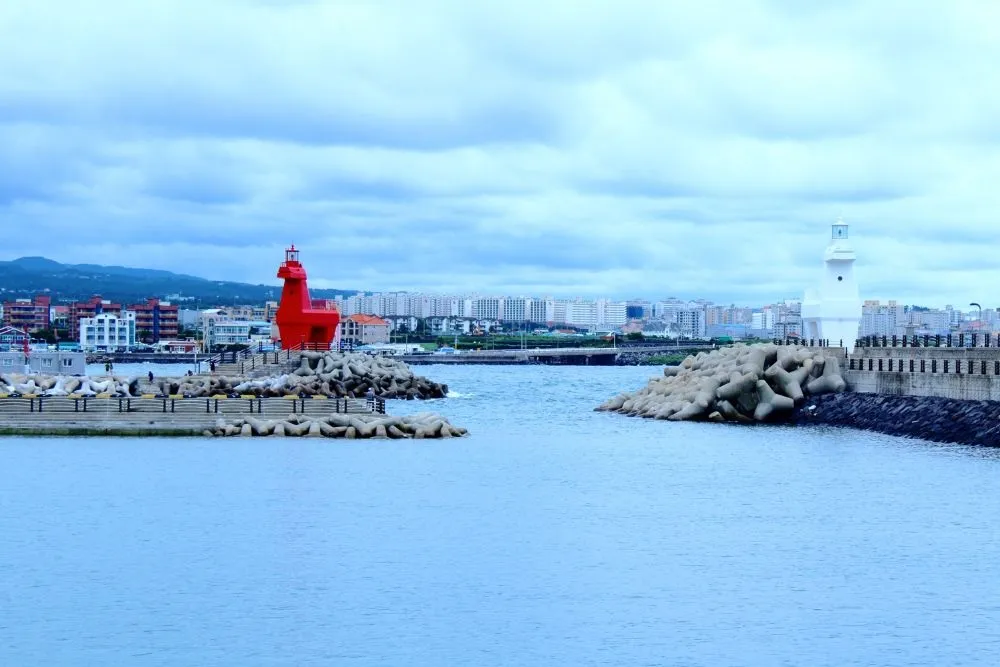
[
  {"x": 226, "y": 404},
  {"x": 961, "y": 340},
  {"x": 807, "y": 342}
]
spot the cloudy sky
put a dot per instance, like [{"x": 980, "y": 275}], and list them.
[{"x": 634, "y": 148}]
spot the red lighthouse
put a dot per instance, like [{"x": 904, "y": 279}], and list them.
[{"x": 299, "y": 325}]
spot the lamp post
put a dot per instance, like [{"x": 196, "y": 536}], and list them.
[{"x": 979, "y": 318}]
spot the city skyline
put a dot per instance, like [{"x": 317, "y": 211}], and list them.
[{"x": 446, "y": 146}]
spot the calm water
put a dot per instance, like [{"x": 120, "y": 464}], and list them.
[{"x": 553, "y": 536}]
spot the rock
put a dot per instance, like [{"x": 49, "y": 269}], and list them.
[{"x": 925, "y": 417}]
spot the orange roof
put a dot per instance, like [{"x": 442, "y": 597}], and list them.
[{"x": 368, "y": 319}]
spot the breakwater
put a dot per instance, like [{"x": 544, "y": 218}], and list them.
[
  {"x": 330, "y": 374},
  {"x": 800, "y": 385},
  {"x": 761, "y": 382},
  {"x": 927, "y": 417},
  {"x": 971, "y": 373},
  {"x": 170, "y": 415}
]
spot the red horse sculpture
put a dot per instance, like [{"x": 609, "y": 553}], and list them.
[{"x": 299, "y": 324}]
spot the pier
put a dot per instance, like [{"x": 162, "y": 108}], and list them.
[
  {"x": 158, "y": 415},
  {"x": 577, "y": 356},
  {"x": 956, "y": 367}
]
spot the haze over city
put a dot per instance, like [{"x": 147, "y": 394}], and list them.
[{"x": 628, "y": 149}]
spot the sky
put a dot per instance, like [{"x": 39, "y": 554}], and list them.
[{"x": 626, "y": 148}]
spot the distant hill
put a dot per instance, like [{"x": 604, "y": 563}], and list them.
[{"x": 28, "y": 276}]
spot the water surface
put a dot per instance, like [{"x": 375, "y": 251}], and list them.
[{"x": 553, "y": 535}]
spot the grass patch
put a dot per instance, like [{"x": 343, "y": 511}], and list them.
[{"x": 664, "y": 359}]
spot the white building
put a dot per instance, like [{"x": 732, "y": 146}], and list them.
[
  {"x": 930, "y": 322},
  {"x": 762, "y": 320},
  {"x": 667, "y": 309},
  {"x": 487, "y": 308},
  {"x": 611, "y": 314},
  {"x": 833, "y": 311},
  {"x": 48, "y": 362},
  {"x": 108, "y": 332},
  {"x": 878, "y": 319},
  {"x": 540, "y": 310},
  {"x": 218, "y": 330},
  {"x": 582, "y": 313},
  {"x": 516, "y": 309}
]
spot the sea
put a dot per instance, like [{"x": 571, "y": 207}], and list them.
[{"x": 552, "y": 535}]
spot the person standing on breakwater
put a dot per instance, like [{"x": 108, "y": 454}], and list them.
[
  {"x": 150, "y": 377},
  {"x": 370, "y": 395}
]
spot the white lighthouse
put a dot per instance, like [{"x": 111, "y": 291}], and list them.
[{"x": 833, "y": 311}]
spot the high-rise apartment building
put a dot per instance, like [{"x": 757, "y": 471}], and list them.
[
  {"x": 539, "y": 310},
  {"x": 487, "y": 308},
  {"x": 878, "y": 319},
  {"x": 691, "y": 322},
  {"x": 516, "y": 309},
  {"x": 582, "y": 313},
  {"x": 611, "y": 314}
]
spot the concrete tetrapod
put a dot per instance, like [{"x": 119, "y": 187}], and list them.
[
  {"x": 63, "y": 385},
  {"x": 332, "y": 374},
  {"x": 740, "y": 383},
  {"x": 418, "y": 426}
]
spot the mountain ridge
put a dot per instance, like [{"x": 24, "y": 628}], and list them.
[{"x": 27, "y": 276}]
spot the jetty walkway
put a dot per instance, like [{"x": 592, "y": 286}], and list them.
[{"x": 157, "y": 415}]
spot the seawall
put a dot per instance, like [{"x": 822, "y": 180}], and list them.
[
  {"x": 968, "y": 422},
  {"x": 971, "y": 374}
]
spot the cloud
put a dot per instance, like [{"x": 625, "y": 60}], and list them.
[{"x": 638, "y": 148}]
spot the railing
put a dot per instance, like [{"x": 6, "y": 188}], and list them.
[
  {"x": 281, "y": 355},
  {"x": 961, "y": 340},
  {"x": 807, "y": 342},
  {"x": 226, "y": 404}
]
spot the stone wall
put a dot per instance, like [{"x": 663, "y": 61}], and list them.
[
  {"x": 971, "y": 374},
  {"x": 962, "y": 387}
]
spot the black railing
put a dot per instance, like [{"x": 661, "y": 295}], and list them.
[
  {"x": 889, "y": 365},
  {"x": 808, "y": 342},
  {"x": 18, "y": 403},
  {"x": 961, "y": 340}
]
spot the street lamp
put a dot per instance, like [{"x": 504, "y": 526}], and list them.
[{"x": 980, "y": 316}]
